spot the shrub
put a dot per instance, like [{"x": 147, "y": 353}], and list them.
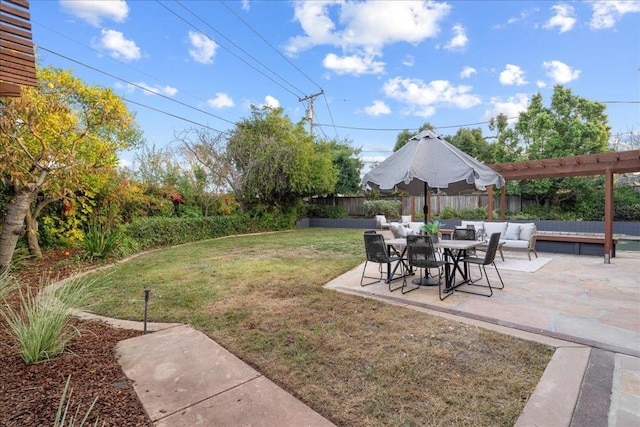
[
  {"x": 162, "y": 231},
  {"x": 390, "y": 208},
  {"x": 99, "y": 242},
  {"x": 324, "y": 211},
  {"x": 449, "y": 213},
  {"x": 475, "y": 213}
]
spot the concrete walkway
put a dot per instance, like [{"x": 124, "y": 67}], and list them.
[{"x": 589, "y": 311}]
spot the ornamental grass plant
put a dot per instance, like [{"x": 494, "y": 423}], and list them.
[
  {"x": 66, "y": 416},
  {"x": 40, "y": 322}
]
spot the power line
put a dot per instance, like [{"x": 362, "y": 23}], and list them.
[
  {"x": 171, "y": 114},
  {"x": 286, "y": 59},
  {"x": 135, "y": 85},
  {"x": 269, "y": 44},
  {"x": 227, "y": 49},
  {"x": 403, "y": 129},
  {"x": 114, "y": 59}
]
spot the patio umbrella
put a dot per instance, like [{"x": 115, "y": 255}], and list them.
[{"x": 427, "y": 162}]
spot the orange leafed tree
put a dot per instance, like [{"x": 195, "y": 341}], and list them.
[{"x": 58, "y": 138}]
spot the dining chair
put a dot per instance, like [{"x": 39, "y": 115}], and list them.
[
  {"x": 377, "y": 252},
  {"x": 468, "y": 233},
  {"x": 482, "y": 262},
  {"x": 422, "y": 255}
]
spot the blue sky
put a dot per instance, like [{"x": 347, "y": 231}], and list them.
[{"x": 382, "y": 66}]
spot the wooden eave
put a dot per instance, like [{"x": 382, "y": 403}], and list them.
[
  {"x": 584, "y": 165},
  {"x": 17, "y": 58}
]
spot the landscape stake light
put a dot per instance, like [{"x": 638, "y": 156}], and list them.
[{"x": 146, "y": 306}]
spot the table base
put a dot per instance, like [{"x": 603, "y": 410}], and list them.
[{"x": 426, "y": 281}]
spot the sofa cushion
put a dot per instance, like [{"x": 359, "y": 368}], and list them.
[
  {"x": 515, "y": 244},
  {"x": 416, "y": 227},
  {"x": 527, "y": 230},
  {"x": 512, "y": 232},
  {"x": 495, "y": 227},
  {"x": 398, "y": 230}
]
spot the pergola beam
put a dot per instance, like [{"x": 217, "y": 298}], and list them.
[
  {"x": 606, "y": 164},
  {"x": 585, "y": 165}
]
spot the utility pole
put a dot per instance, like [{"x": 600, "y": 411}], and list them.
[{"x": 310, "y": 98}]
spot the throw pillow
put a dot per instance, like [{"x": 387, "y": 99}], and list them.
[
  {"x": 526, "y": 231},
  {"x": 513, "y": 231},
  {"x": 495, "y": 227},
  {"x": 400, "y": 229}
]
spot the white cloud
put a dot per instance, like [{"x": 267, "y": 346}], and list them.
[
  {"x": 422, "y": 98},
  {"x": 221, "y": 100},
  {"x": 523, "y": 15},
  {"x": 541, "y": 84},
  {"x": 560, "y": 72},
  {"x": 378, "y": 108},
  {"x": 459, "y": 40},
  {"x": 467, "y": 72},
  {"x": 270, "y": 101},
  {"x": 120, "y": 48},
  {"x": 157, "y": 90},
  {"x": 353, "y": 64},
  {"x": 409, "y": 61},
  {"x": 364, "y": 28},
  {"x": 607, "y": 13},
  {"x": 202, "y": 49},
  {"x": 512, "y": 75},
  {"x": 150, "y": 90},
  {"x": 511, "y": 107},
  {"x": 564, "y": 18},
  {"x": 94, "y": 12},
  {"x": 124, "y": 163}
]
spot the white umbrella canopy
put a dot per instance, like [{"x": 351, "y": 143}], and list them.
[{"x": 427, "y": 162}]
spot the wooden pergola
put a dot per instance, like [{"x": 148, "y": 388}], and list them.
[
  {"x": 17, "y": 59},
  {"x": 606, "y": 164}
]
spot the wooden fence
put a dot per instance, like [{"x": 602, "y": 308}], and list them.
[{"x": 354, "y": 205}]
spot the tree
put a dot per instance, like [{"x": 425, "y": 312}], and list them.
[
  {"x": 473, "y": 143},
  {"x": 570, "y": 126},
  {"x": 57, "y": 139},
  {"x": 278, "y": 161},
  {"x": 348, "y": 164},
  {"x": 405, "y": 135},
  {"x": 211, "y": 173}
]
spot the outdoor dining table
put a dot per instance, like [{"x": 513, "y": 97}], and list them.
[
  {"x": 399, "y": 247},
  {"x": 454, "y": 251}
]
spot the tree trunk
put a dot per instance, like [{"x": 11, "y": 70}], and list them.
[
  {"x": 32, "y": 235},
  {"x": 14, "y": 223}
]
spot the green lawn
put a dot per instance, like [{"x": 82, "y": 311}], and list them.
[{"x": 357, "y": 361}]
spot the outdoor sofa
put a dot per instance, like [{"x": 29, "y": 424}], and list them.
[{"x": 514, "y": 236}]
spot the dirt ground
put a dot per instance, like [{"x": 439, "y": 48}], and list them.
[{"x": 30, "y": 394}]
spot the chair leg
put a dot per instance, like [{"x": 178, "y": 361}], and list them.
[
  {"x": 499, "y": 276},
  {"x": 404, "y": 278},
  {"x": 364, "y": 270},
  {"x": 404, "y": 284}
]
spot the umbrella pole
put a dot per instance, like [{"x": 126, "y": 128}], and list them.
[{"x": 425, "y": 208}]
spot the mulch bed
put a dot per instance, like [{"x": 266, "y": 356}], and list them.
[{"x": 30, "y": 394}]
